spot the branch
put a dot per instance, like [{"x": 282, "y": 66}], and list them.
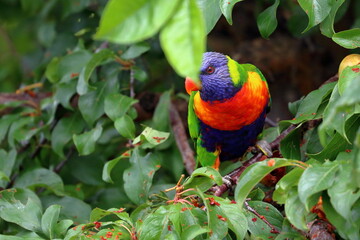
[
  {"x": 181, "y": 139},
  {"x": 321, "y": 230}
]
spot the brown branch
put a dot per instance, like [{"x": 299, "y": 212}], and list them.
[
  {"x": 181, "y": 139},
  {"x": 321, "y": 230},
  {"x": 235, "y": 174}
]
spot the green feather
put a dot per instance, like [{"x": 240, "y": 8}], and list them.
[
  {"x": 193, "y": 121},
  {"x": 203, "y": 156}
]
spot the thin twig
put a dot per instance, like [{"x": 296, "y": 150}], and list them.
[
  {"x": 58, "y": 167},
  {"x": 132, "y": 81},
  {"x": 182, "y": 140}
]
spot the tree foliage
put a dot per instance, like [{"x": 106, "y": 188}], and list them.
[{"x": 83, "y": 157}]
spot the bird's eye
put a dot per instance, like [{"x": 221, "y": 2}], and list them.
[{"x": 210, "y": 70}]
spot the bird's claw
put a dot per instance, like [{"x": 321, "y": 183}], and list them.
[
  {"x": 227, "y": 181},
  {"x": 264, "y": 147}
]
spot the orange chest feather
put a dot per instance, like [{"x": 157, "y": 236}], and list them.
[{"x": 241, "y": 110}]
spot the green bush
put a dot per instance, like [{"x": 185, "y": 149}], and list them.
[{"x": 76, "y": 141}]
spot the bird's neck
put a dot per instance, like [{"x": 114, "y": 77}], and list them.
[{"x": 241, "y": 110}]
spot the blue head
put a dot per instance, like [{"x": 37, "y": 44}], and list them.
[{"x": 216, "y": 83}]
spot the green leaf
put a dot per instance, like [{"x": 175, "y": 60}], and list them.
[
  {"x": 72, "y": 208},
  {"x": 317, "y": 11},
  {"x": 125, "y": 126},
  {"x": 332, "y": 121},
  {"x": 41, "y": 177},
  {"x": 183, "y": 39},
  {"x": 289, "y": 232},
  {"x": 71, "y": 65},
  {"x": 7, "y": 163},
  {"x": 12, "y": 210},
  {"x": 314, "y": 180},
  {"x": 337, "y": 143},
  {"x": 211, "y": 11},
  {"x": 154, "y": 224},
  {"x": 215, "y": 218},
  {"x": 327, "y": 26},
  {"x": 342, "y": 194},
  {"x": 86, "y": 168},
  {"x": 235, "y": 217},
  {"x": 106, "y": 174},
  {"x": 52, "y": 70},
  {"x": 96, "y": 60},
  {"x": 309, "y": 107},
  {"x": 193, "y": 231},
  {"x": 49, "y": 220},
  {"x": 290, "y": 145},
  {"x": 63, "y": 132},
  {"x": 285, "y": 184},
  {"x": 5, "y": 123},
  {"x": 64, "y": 92},
  {"x": 135, "y": 50},
  {"x": 97, "y": 214},
  {"x": 124, "y": 22},
  {"x": 138, "y": 178},
  {"x": 91, "y": 104},
  {"x": 116, "y": 105},
  {"x": 161, "y": 117},
  {"x": 349, "y": 39},
  {"x": 253, "y": 175},
  {"x": 295, "y": 210},
  {"x": 61, "y": 228},
  {"x": 208, "y": 172},
  {"x": 150, "y": 138},
  {"x": 347, "y": 228},
  {"x": 256, "y": 195},
  {"x": 257, "y": 227},
  {"x": 85, "y": 142},
  {"x": 226, "y": 7},
  {"x": 267, "y": 21}
]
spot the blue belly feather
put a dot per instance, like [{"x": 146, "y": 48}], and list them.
[{"x": 233, "y": 144}]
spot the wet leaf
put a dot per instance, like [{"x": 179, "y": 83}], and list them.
[
  {"x": 317, "y": 11},
  {"x": 25, "y": 215}
]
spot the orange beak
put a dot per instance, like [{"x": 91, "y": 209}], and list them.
[{"x": 190, "y": 85}]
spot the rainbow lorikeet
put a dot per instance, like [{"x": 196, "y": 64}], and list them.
[{"x": 227, "y": 112}]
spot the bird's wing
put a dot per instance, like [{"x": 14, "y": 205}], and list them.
[{"x": 193, "y": 121}]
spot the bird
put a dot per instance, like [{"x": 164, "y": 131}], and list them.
[{"x": 227, "y": 110}]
